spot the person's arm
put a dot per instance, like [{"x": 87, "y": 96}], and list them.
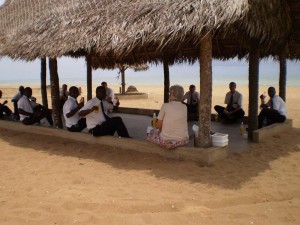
[
  {"x": 72, "y": 112},
  {"x": 184, "y": 98},
  {"x": 88, "y": 111},
  {"x": 160, "y": 118},
  {"x": 159, "y": 124},
  {"x": 23, "y": 112}
]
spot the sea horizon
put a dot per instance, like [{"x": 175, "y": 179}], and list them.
[{"x": 135, "y": 80}]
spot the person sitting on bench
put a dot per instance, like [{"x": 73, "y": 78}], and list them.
[
  {"x": 193, "y": 98},
  {"x": 274, "y": 111},
  {"x": 233, "y": 110},
  {"x": 71, "y": 111}
]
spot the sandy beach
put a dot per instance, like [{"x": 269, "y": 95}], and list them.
[{"x": 48, "y": 180}]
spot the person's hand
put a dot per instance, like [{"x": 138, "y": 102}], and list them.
[
  {"x": 118, "y": 102},
  {"x": 81, "y": 104},
  {"x": 109, "y": 99},
  {"x": 264, "y": 106},
  {"x": 95, "y": 108}
]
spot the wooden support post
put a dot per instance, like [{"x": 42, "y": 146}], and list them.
[
  {"x": 54, "y": 80},
  {"x": 44, "y": 82},
  {"x": 122, "y": 71},
  {"x": 282, "y": 73},
  {"x": 253, "y": 90},
  {"x": 205, "y": 59},
  {"x": 166, "y": 80},
  {"x": 88, "y": 76}
]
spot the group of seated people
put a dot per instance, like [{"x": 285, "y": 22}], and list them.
[{"x": 171, "y": 128}]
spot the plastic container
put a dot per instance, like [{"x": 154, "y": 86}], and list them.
[{"x": 219, "y": 139}]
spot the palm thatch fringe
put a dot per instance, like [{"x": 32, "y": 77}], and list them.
[{"x": 128, "y": 31}]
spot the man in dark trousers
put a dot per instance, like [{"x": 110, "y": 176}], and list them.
[
  {"x": 97, "y": 120},
  {"x": 29, "y": 115},
  {"x": 274, "y": 111},
  {"x": 233, "y": 110}
]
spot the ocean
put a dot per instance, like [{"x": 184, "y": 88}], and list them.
[{"x": 73, "y": 72}]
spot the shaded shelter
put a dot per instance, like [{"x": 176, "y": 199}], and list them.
[{"x": 129, "y": 32}]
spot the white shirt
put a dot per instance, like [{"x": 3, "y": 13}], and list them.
[
  {"x": 16, "y": 97},
  {"x": 63, "y": 93},
  {"x": 96, "y": 117},
  {"x": 110, "y": 94},
  {"x": 24, "y": 103},
  {"x": 174, "y": 117},
  {"x": 278, "y": 104},
  {"x": 69, "y": 105},
  {"x": 196, "y": 97},
  {"x": 237, "y": 99}
]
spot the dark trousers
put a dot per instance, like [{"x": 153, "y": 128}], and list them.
[
  {"x": 232, "y": 117},
  {"x": 79, "y": 126},
  {"x": 16, "y": 111},
  {"x": 31, "y": 120},
  {"x": 4, "y": 109},
  {"x": 272, "y": 116},
  {"x": 192, "y": 108},
  {"x": 110, "y": 126},
  {"x": 39, "y": 113},
  {"x": 44, "y": 112}
]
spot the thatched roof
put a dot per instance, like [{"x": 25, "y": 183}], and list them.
[{"x": 137, "y": 31}]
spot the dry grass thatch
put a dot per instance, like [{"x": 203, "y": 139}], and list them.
[{"x": 139, "y": 31}]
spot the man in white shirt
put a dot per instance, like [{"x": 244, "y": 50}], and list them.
[
  {"x": 110, "y": 95},
  {"x": 192, "y": 103},
  {"x": 28, "y": 115},
  {"x": 15, "y": 100},
  {"x": 274, "y": 111},
  {"x": 97, "y": 121},
  {"x": 74, "y": 122},
  {"x": 233, "y": 110}
]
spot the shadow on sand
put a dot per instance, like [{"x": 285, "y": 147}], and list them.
[{"x": 230, "y": 173}]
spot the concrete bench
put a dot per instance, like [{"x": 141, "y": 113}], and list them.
[
  {"x": 204, "y": 156},
  {"x": 268, "y": 131}
]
